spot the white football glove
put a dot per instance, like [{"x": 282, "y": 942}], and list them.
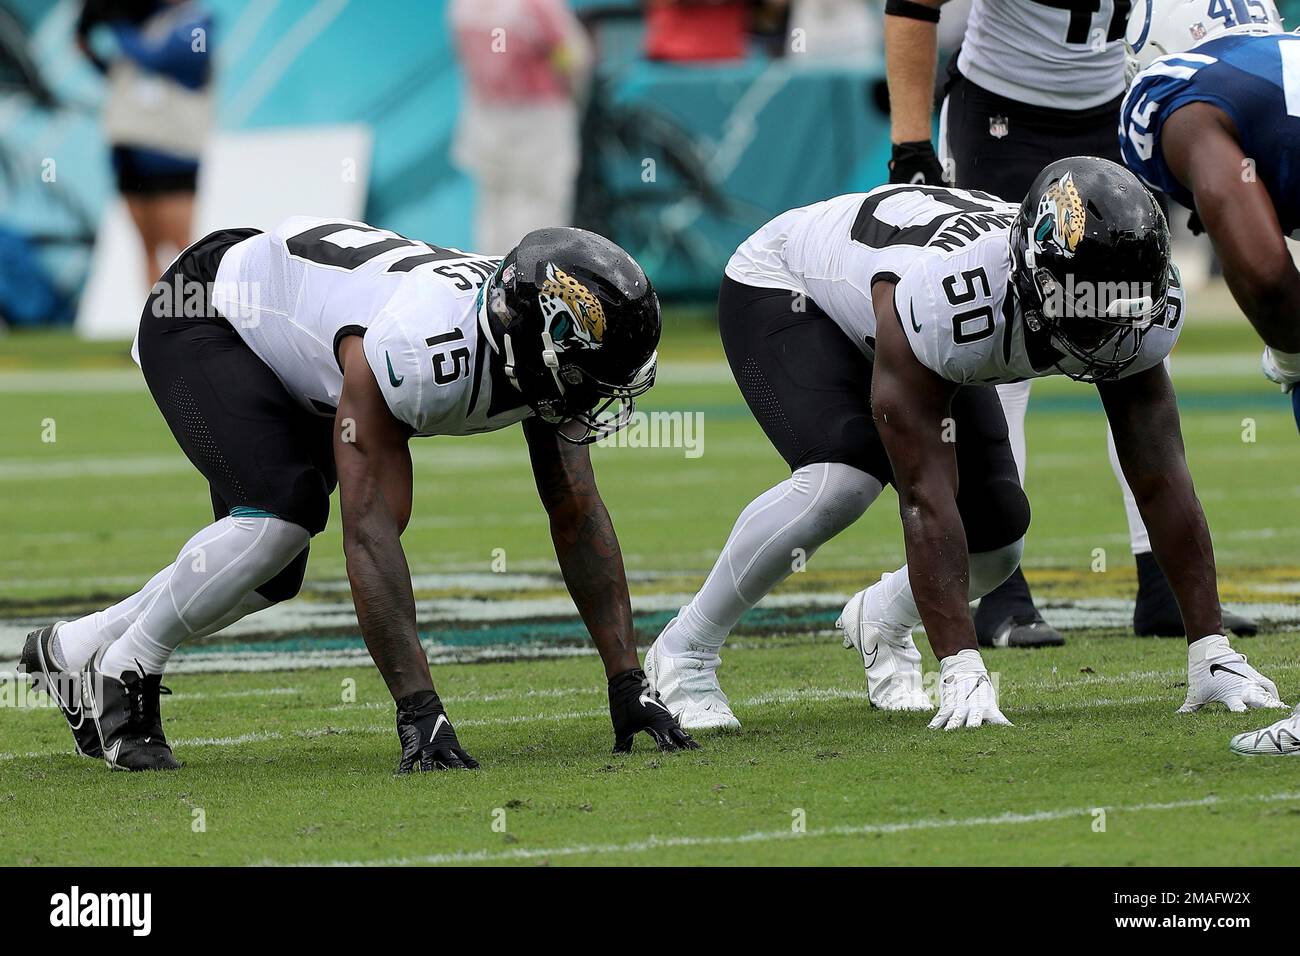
[
  {"x": 1281, "y": 367},
  {"x": 1218, "y": 674},
  {"x": 967, "y": 697}
]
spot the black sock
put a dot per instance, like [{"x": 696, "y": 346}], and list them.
[
  {"x": 1011, "y": 598},
  {"x": 1156, "y": 612}
]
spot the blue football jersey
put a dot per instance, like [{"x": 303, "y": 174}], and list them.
[{"x": 1255, "y": 80}]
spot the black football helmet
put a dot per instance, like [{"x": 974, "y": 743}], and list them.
[
  {"x": 576, "y": 322},
  {"x": 1090, "y": 264}
]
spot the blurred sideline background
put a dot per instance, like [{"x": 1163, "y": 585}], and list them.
[
  {"x": 732, "y": 141},
  {"x": 338, "y": 107}
]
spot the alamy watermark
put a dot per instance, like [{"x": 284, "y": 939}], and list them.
[
  {"x": 684, "y": 430},
  {"x": 239, "y": 302}
]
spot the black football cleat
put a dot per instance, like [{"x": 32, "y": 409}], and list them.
[
  {"x": 127, "y": 714},
  {"x": 1006, "y": 617},
  {"x": 1028, "y": 630},
  {"x": 1156, "y": 612},
  {"x": 63, "y": 687}
]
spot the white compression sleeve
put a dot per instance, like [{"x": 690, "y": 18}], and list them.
[
  {"x": 779, "y": 528},
  {"x": 77, "y": 641},
  {"x": 1138, "y": 538},
  {"x": 988, "y": 569},
  {"x": 1015, "y": 402},
  {"x": 213, "y": 574}
]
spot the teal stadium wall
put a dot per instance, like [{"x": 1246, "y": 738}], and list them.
[{"x": 768, "y": 135}]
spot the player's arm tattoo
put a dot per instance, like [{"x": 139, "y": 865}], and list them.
[
  {"x": 1143, "y": 414},
  {"x": 910, "y": 404},
  {"x": 374, "y": 470},
  {"x": 585, "y": 544}
]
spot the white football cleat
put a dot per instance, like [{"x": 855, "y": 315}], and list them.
[
  {"x": 688, "y": 686},
  {"x": 967, "y": 697},
  {"x": 1218, "y": 674},
  {"x": 1281, "y": 739},
  {"x": 890, "y": 659}
]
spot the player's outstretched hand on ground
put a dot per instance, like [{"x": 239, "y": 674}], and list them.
[
  {"x": 1218, "y": 674},
  {"x": 428, "y": 739},
  {"x": 967, "y": 697},
  {"x": 634, "y": 706}
]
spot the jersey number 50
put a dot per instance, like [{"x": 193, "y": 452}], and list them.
[{"x": 970, "y": 325}]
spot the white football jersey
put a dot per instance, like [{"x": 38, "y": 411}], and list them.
[
  {"x": 948, "y": 252},
  {"x": 295, "y": 292},
  {"x": 1044, "y": 54}
]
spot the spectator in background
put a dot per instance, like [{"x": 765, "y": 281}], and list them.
[
  {"x": 526, "y": 64},
  {"x": 846, "y": 31},
  {"x": 685, "y": 30},
  {"x": 157, "y": 111}
]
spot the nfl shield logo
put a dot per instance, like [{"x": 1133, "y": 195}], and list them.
[
  {"x": 998, "y": 127},
  {"x": 1197, "y": 31}
]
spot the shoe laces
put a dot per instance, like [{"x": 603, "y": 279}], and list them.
[{"x": 143, "y": 700}]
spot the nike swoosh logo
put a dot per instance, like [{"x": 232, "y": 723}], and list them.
[
  {"x": 647, "y": 700},
  {"x": 392, "y": 377},
  {"x": 916, "y": 326},
  {"x": 1224, "y": 667},
  {"x": 874, "y": 651},
  {"x": 442, "y": 719},
  {"x": 111, "y": 753},
  {"x": 983, "y": 679}
]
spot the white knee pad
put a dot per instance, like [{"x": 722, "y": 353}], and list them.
[
  {"x": 837, "y": 495},
  {"x": 277, "y": 541},
  {"x": 988, "y": 569}
]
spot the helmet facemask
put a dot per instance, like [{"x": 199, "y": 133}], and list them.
[
  {"x": 1102, "y": 332},
  {"x": 554, "y": 380},
  {"x": 598, "y": 409}
]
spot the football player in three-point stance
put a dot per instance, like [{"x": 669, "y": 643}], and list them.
[
  {"x": 1034, "y": 82},
  {"x": 866, "y": 333},
  {"x": 1213, "y": 119},
  {"x": 289, "y": 361}
]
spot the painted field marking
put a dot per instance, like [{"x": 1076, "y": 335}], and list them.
[{"x": 771, "y": 836}]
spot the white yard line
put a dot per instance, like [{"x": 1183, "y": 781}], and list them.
[{"x": 652, "y": 842}]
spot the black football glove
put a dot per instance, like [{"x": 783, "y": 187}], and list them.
[
  {"x": 915, "y": 163},
  {"x": 634, "y": 706},
  {"x": 428, "y": 739}
]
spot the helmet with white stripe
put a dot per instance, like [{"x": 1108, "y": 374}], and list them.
[{"x": 1158, "y": 28}]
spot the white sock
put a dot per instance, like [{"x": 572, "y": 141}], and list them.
[
  {"x": 77, "y": 641},
  {"x": 1015, "y": 402},
  {"x": 779, "y": 528},
  {"x": 897, "y": 611},
  {"x": 211, "y": 577}
]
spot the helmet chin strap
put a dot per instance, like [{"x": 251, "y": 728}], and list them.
[{"x": 551, "y": 359}]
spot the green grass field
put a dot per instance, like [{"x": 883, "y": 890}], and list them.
[{"x": 286, "y": 730}]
